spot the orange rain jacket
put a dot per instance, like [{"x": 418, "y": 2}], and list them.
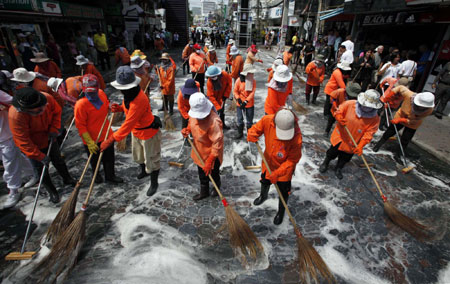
[
  {"x": 337, "y": 97},
  {"x": 49, "y": 70},
  {"x": 167, "y": 80},
  {"x": 228, "y": 56},
  {"x": 237, "y": 67},
  {"x": 287, "y": 58},
  {"x": 362, "y": 129},
  {"x": 395, "y": 98},
  {"x": 208, "y": 137},
  {"x": 275, "y": 100},
  {"x": 271, "y": 71},
  {"x": 197, "y": 63},
  {"x": 405, "y": 111},
  {"x": 216, "y": 97},
  {"x": 183, "y": 104},
  {"x": 282, "y": 156},
  {"x": 41, "y": 86},
  {"x": 239, "y": 92},
  {"x": 90, "y": 69},
  {"x": 123, "y": 57},
  {"x": 211, "y": 57},
  {"x": 187, "y": 51},
  {"x": 138, "y": 117},
  {"x": 315, "y": 74},
  {"x": 30, "y": 133},
  {"x": 74, "y": 86},
  {"x": 89, "y": 119},
  {"x": 159, "y": 44},
  {"x": 336, "y": 81}
]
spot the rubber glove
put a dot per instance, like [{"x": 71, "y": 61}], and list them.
[
  {"x": 272, "y": 177},
  {"x": 92, "y": 146},
  {"x": 116, "y": 108},
  {"x": 106, "y": 143},
  {"x": 185, "y": 132},
  {"x": 359, "y": 149},
  {"x": 209, "y": 164},
  {"x": 243, "y": 104},
  {"x": 399, "y": 120},
  {"x": 260, "y": 61},
  {"x": 251, "y": 138}
]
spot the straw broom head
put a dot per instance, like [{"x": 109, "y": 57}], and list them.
[
  {"x": 242, "y": 238},
  {"x": 311, "y": 263},
  {"x": 299, "y": 108},
  {"x": 168, "y": 123},
  {"x": 64, "y": 253},
  {"x": 122, "y": 145},
  {"x": 411, "y": 226},
  {"x": 64, "y": 218}
]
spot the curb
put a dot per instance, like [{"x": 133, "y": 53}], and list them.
[{"x": 439, "y": 155}]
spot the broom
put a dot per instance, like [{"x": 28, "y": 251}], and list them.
[
  {"x": 178, "y": 164},
  {"x": 411, "y": 226},
  {"x": 298, "y": 107},
  {"x": 168, "y": 123},
  {"x": 64, "y": 253},
  {"x": 242, "y": 238},
  {"x": 67, "y": 133},
  {"x": 67, "y": 211},
  {"x": 310, "y": 262},
  {"x": 406, "y": 169}
]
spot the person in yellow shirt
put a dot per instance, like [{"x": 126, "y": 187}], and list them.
[
  {"x": 295, "y": 38},
  {"x": 102, "y": 49}
]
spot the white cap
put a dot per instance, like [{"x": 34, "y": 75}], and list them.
[
  {"x": 81, "y": 60},
  {"x": 54, "y": 83},
  {"x": 234, "y": 50},
  {"x": 282, "y": 74},
  {"x": 370, "y": 98},
  {"x": 425, "y": 99},
  {"x": 200, "y": 106},
  {"x": 285, "y": 124}
]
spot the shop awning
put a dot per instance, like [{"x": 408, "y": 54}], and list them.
[{"x": 331, "y": 13}]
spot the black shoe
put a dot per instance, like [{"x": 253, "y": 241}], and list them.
[
  {"x": 69, "y": 181},
  {"x": 114, "y": 180},
  {"x": 54, "y": 197},
  {"x": 279, "y": 217},
  {"x": 214, "y": 193},
  {"x": 438, "y": 116},
  {"x": 377, "y": 146},
  {"x": 263, "y": 195},
  {"x": 143, "y": 173},
  {"x": 98, "y": 179},
  {"x": 154, "y": 183},
  {"x": 324, "y": 166},
  {"x": 226, "y": 127},
  {"x": 204, "y": 192},
  {"x": 338, "y": 173},
  {"x": 398, "y": 159}
]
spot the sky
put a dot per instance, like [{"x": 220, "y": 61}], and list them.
[{"x": 196, "y": 3}]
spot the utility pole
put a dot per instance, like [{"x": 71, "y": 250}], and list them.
[
  {"x": 284, "y": 26},
  {"x": 258, "y": 25},
  {"x": 316, "y": 35}
]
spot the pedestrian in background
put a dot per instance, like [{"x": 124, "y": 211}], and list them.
[
  {"x": 101, "y": 46},
  {"x": 442, "y": 93}
]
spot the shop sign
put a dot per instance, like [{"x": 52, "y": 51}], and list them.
[
  {"x": 79, "y": 11},
  {"x": 275, "y": 13},
  {"x": 387, "y": 19},
  {"x": 112, "y": 10},
  {"x": 294, "y": 21},
  {"x": 19, "y": 5},
  {"x": 419, "y": 2},
  {"x": 51, "y": 7}
]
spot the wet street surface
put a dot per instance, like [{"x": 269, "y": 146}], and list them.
[{"x": 169, "y": 238}]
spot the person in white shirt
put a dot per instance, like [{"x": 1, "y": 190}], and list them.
[
  {"x": 408, "y": 68},
  {"x": 347, "y": 55},
  {"x": 349, "y": 44},
  {"x": 391, "y": 68}
]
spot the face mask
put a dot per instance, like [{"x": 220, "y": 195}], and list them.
[
  {"x": 366, "y": 109},
  {"x": 197, "y": 51},
  {"x": 281, "y": 85},
  {"x": 214, "y": 78}
]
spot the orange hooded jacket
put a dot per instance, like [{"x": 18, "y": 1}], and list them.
[
  {"x": 122, "y": 56},
  {"x": 90, "y": 69},
  {"x": 276, "y": 100},
  {"x": 216, "y": 97},
  {"x": 41, "y": 86},
  {"x": 315, "y": 74},
  {"x": 208, "y": 137},
  {"x": 362, "y": 129},
  {"x": 282, "y": 156},
  {"x": 228, "y": 56},
  {"x": 187, "y": 51},
  {"x": 212, "y": 58},
  {"x": 336, "y": 81},
  {"x": 49, "y": 70},
  {"x": 237, "y": 67},
  {"x": 337, "y": 97},
  {"x": 167, "y": 80},
  {"x": 239, "y": 92},
  {"x": 197, "y": 62},
  {"x": 30, "y": 133},
  {"x": 395, "y": 99},
  {"x": 183, "y": 104},
  {"x": 287, "y": 58}
]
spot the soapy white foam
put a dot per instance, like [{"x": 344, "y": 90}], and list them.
[{"x": 444, "y": 275}]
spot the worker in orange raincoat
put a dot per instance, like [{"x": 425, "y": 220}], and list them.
[
  {"x": 339, "y": 96},
  {"x": 280, "y": 87},
  {"x": 336, "y": 81},
  {"x": 211, "y": 56},
  {"x": 138, "y": 66},
  {"x": 409, "y": 117},
  {"x": 361, "y": 118},
  {"x": 287, "y": 56},
  {"x": 190, "y": 87},
  {"x": 237, "y": 63},
  {"x": 228, "y": 55},
  {"x": 146, "y": 138},
  {"x": 283, "y": 140},
  {"x": 219, "y": 86},
  {"x": 387, "y": 85},
  {"x": 244, "y": 95},
  {"x": 69, "y": 89},
  {"x": 187, "y": 51},
  {"x": 90, "y": 112},
  {"x": 88, "y": 67},
  {"x": 45, "y": 66},
  {"x": 166, "y": 73},
  {"x": 206, "y": 129},
  {"x": 121, "y": 56},
  {"x": 198, "y": 65},
  {"x": 159, "y": 45},
  {"x": 34, "y": 120},
  {"x": 316, "y": 73},
  {"x": 271, "y": 70}
]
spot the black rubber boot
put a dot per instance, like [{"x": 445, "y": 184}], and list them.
[
  {"x": 204, "y": 192},
  {"x": 171, "y": 107},
  {"x": 263, "y": 195},
  {"x": 380, "y": 143},
  {"x": 67, "y": 179},
  {"x": 240, "y": 132},
  {"x": 324, "y": 166},
  {"x": 98, "y": 179},
  {"x": 110, "y": 175},
  {"x": 52, "y": 192},
  {"x": 143, "y": 173},
  {"x": 308, "y": 97},
  {"x": 338, "y": 173},
  {"x": 280, "y": 214},
  {"x": 314, "y": 100},
  {"x": 154, "y": 183},
  {"x": 222, "y": 117}
]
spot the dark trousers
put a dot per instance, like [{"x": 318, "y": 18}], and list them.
[
  {"x": 102, "y": 58},
  {"x": 215, "y": 173},
  {"x": 285, "y": 186},
  {"x": 383, "y": 120},
  {"x": 200, "y": 78},
  {"x": 442, "y": 96},
  {"x": 168, "y": 103},
  {"x": 58, "y": 163},
  {"x": 407, "y": 135},
  {"x": 186, "y": 66},
  {"x": 343, "y": 158},
  {"x": 108, "y": 161},
  {"x": 327, "y": 106},
  {"x": 308, "y": 90},
  {"x": 330, "y": 122}
]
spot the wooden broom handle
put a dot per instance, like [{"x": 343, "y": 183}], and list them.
[
  {"x": 365, "y": 163},
  {"x": 278, "y": 190},
  {"x": 86, "y": 201},
  {"x": 91, "y": 154},
  {"x": 203, "y": 163}
]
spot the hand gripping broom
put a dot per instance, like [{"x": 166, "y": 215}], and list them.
[
  {"x": 310, "y": 261},
  {"x": 67, "y": 212},
  {"x": 23, "y": 255},
  {"x": 411, "y": 226},
  {"x": 65, "y": 250},
  {"x": 242, "y": 238}
]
